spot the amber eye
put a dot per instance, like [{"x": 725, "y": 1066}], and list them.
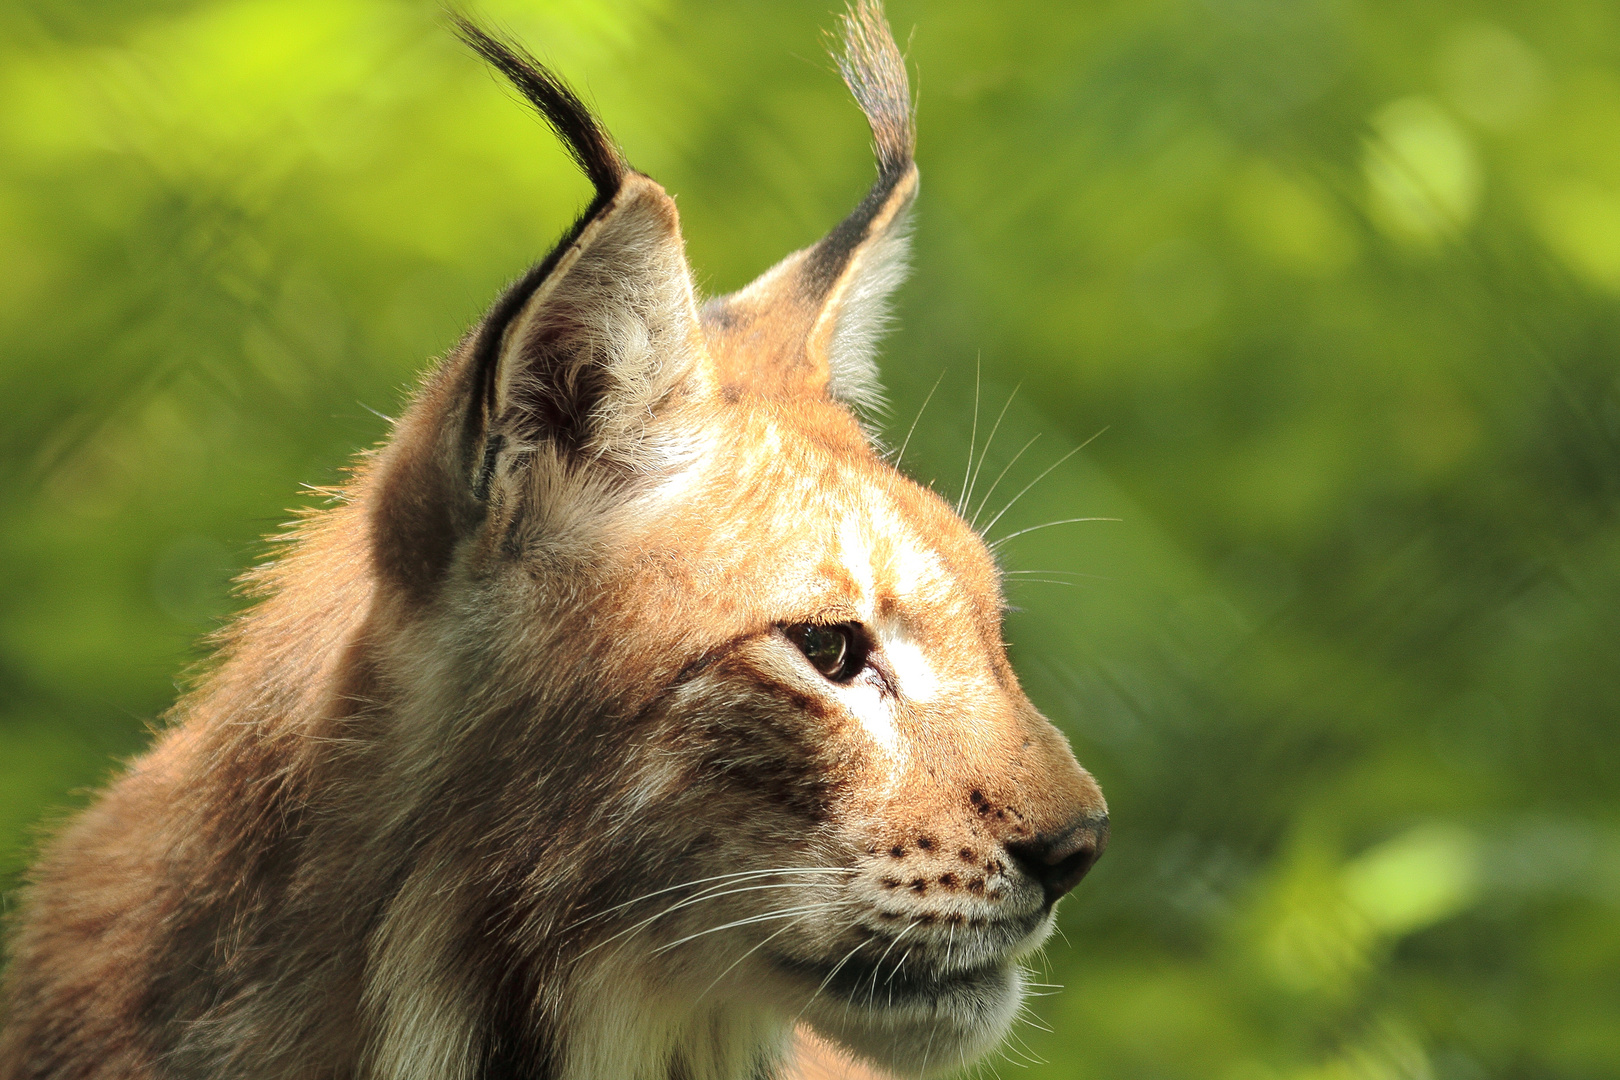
[{"x": 837, "y": 650}]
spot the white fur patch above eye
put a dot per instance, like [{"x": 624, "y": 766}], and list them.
[
  {"x": 855, "y": 554},
  {"x": 918, "y": 574}
]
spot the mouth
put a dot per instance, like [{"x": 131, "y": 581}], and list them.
[{"x": 882, "y": 982}]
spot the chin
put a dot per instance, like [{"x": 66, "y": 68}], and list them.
[{"x": 919, "y": 1026}]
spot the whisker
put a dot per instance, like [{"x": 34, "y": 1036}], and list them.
[
  {"x": 878, "y": 967},
  {"x": 902, "y": 451},
  {"x": 1002, "y": 1050},
  {"x": 903, "y": 958},
  {"x": 735, "y": 875},
  {"x": 889, "y": 982},
  {"x": 927, "y": 1050},
  {"x": 1044, "y": 472},
  {"x": 1046, "y": 525},
  {"x": 1055, "y": 573},
  {"x": 991, "y": 490},
  {"x": 741, "y": 958},
  {"x": 1037, "y": 1024},
  {"x": 1026, "y": 1013},
  {"x": 973, "y": 437},
  {"x": 1044, "y": 960},
  {"x": 825, "y": 982},
  {"x": 973, "y": 480},
  {"x": 784, "y": 913},
  {"x": 711, "y": 894},
  {"x": 718, "y": 890},
  {"x": 1028, "y": 1051}
]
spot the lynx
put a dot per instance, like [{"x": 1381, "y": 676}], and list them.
[{"x": 628, "y": 717}]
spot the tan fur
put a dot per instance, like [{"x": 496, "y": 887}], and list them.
[{"x": 513, "y": 771}]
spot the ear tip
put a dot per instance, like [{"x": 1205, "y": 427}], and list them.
[
  {"x": 907, "y": 183},
  {"x": 875, "y": 73},
  {"x": 638, "y": 187}
]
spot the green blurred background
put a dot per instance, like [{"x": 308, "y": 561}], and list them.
[{"x": 1332, "y": 286}]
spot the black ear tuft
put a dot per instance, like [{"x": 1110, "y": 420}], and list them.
[
  {"x": 556, "y": 103},
  {"x": 875, "y": 73}
]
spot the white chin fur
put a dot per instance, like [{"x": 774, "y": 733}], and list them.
[{"x": 924, "y": 1036}]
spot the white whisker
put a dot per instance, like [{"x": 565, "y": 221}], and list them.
[
  {"x": 973, "y": 437},
  {"x": 878, "y": 967},
  {"x": 1037, "y": 1024},
  {"x": 1055, "y": 573},
  {"x": 833, "y": 972},
  {"x": 709, "y": 895},
  {"x": 768, "y": 939},
  {"x": 734, "y": 876},
  {"x": 902, "y": 451},
  {"x": 1044, "y": 473},
  {"x": 973, "y": 480},
  {"x": 783, "y": 913},
  {"x": 1028, "y": 1051},
  {"x": 1044, "y": 581},
  {"x": 1045, "y": 525},
  {"x": 991, "y": 490},
  {"x": 889, "y": 982}
]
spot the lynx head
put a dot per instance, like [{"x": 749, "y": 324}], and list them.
[{"x": 703, "y": 715}]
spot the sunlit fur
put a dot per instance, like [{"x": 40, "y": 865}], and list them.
[{"x": 512, "y": 771}]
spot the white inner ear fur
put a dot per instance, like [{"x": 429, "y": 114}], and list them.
[
  {"x": 618, "y": 303},
  {"x": 864, "y": 315}
]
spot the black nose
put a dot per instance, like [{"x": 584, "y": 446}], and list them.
[{"x": 1060, "y": 859}]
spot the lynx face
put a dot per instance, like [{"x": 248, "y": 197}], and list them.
[{"x": 869, "y": 731}]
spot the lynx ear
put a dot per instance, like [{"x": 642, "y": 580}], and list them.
[
  {"x": 809, "y": 326},
  {"x": 603, "y": 335},
  {"x": 584, "y": 361},
  {"x": 607, "y": 340}
]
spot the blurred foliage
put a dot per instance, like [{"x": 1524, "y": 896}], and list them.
[{"x": 1332, "y": 287}]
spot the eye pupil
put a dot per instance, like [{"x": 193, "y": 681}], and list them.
[
  {"x": 832, "y": 650},
  {"x": 825, "y": 647}
]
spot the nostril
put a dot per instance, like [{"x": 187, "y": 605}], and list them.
[{"x": 1059, "y": 860}]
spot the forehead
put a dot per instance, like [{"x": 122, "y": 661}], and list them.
[{"x": 830, "y": 510}]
